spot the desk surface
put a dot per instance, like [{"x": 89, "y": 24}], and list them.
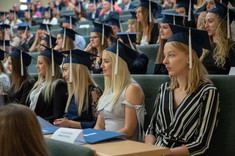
[{"x": 125, "y": 148}]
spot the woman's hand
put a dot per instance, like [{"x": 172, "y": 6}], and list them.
[
  {"x": 150, "y": 139},
  {"x": 62, "y": 122},
  {"x": 88, "y": 48}
]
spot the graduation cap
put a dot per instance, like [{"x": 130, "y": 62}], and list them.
[
  {"x": 4, "y": 26},
  {"x": 78, "y": 56},
  {"x": 46, "y": 27},
  {"x": 133, "y": 15},
  {"x": 120, "y": 49},
  {"x": 79, "y": 5},
  {"x": 128, "y": 37},
  {"x": 49, "y": 11},
  {"x": 67, "y": 32},
  {"x": 24, "y": 58},
  {"x": 29, "y": 12},
  {"x": 71, "y": 20},
  {"x": 113, "y": 21},
  {"x": 47, "y": 39},
  {"x": 3, "y": 13},
  {"x": 13, "y": 12},
  {"x": 224, "y": 12},
  {"x": 103, "y": 29},
  {"x": 111, "y": 2},
  {"x": 150, "y": 5},
  {"x": 23, "y": 26},
  {"x": 53, "y": 55},
  {"x": 2, "y": 54},
  {"x": 175, "y": 19},
  {"x": 195, "y": 39},
  {"x": 188, "y": 5}
]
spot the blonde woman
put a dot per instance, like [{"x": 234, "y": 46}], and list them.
[
  {"x": 185, "y": 110},
  {"x": 64, "y": 43},
  {"x": 49, "y": 94},
  {"x": 132, "y": 23},
  {"x": 222, "y": 56},
  {"x": 96, "y": 47},
  {"x": 20, "y": 132},
  {"x": 145, "y": 26},
  {"x": 83, "y": 93},
  {"x": 123, "y": 97}
]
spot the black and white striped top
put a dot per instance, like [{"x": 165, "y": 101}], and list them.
[{"x": 191, "y": 124}]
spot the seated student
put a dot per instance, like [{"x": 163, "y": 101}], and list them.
[
  {"x": 99, "y": 42},
  {"x": 4, "y": 79},
  {"x": 49, "y": 19},
  {"x": 20, "y": 132},
  {"x": 183, "y": 8},
  {"x": 140, "y": 65},
  {"x": 6, "y": 32},
  {"x": 107, "y": 12},
  {"x": 115, "y": 24},
  {"x": 145, "y": 23},
  {"x": 29, "y": 17},
  {"x": 127, "y": 5},
  {"x": 164, "y": 34},
  {"x": 21, "y": 81},
  {"x": 185, "y": 111},
  {"x": 13, "y": 19},
  {"x": 83, "y": 93},
  {"x": 93, "y": 10},
  {"x": 48, "y": 41},
  {"x": 123, "y": 97},
  {"x": 26, "y": 37},
  {"x": 132, "y": 22},
  {"x": 80, "y": 12},
  {"x": 48, "y": 96},
  {"x": 65, "y": 39},
  {"x": 44, "y": 28},
  {"x": 222, "y": 56},
  {"x": 3, "y": 18},
  {"x": 79, "y": 42}
]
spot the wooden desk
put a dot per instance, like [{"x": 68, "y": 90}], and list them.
[{"x": 125, "y": 148}]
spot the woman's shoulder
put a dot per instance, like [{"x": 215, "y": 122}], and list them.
[{"x": 134, "y": 93}]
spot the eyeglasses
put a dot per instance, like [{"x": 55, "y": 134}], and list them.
[{"x": 93, "y": 37}]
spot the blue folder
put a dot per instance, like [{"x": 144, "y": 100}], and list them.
[
  {"x": 92, "y": 136},
  {"x": 47, "y": 127}
]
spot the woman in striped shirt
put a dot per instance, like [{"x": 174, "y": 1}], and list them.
[{"x": 185, "y": 111}]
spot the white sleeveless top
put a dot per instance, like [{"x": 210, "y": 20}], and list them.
[{"x": 114, "y": 116}]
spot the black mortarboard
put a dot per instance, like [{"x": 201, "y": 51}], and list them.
[
  {"x": 2, "y": 54},
  {"x": 124, "y": 36},
  {"x": 145, "y": 4},
  {"x": 45, "y": 27},
  {"x": 23, "y": 26},
  {"x": 3, "y": 13},
  {"x": 70, "y": 19},
  {"x": 47, "y": 39},
  {"x": 7, "y": 42},
  {"x": 58, "y": 57},
  {"x": 4, "y": 26},
  {"x": 173, "y": 18},
  {"x": 98, "y": 28},
  {"x": 127, "y": 54},
  {"x": 69, "y": 32},
  {"x": 185, "y": 3},
  {"x": 25, "y": 56},
  {"x": 196, "y": 39}
]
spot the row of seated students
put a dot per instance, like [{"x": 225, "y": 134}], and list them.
[{"x": 120, "y": 107}]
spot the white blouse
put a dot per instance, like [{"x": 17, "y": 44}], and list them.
[{"x": 4, "y": 83}]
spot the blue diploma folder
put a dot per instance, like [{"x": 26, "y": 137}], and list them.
[
  {"x": 92, "y": 136},
  {"x": 47, "y": 127}
]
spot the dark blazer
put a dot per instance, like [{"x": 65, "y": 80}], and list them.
[
  {"x": 55, "y": 108},
  {"x": 89, "y": 16},
  {"x": 130, "y": 7},
  {"x": 154, "y": 34},
  {"x": 103, "y": 19},
  {"x": 26, "y": 46},
  {"x": 20, "y": 96}
]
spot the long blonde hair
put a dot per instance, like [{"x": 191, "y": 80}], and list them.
[
  {"x": 150, "y": 25},
  {"x": 197, "y": 75},
  {"x": 222, "y": 45},
  {"x": 20, "y": 132},
  {"x": 51, "y": 81},
  {"x": 116, "y": 83},
  {"x": 79, "y": 87}
]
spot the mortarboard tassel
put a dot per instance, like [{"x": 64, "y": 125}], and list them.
[
  {"x": 189, "y": 11},
  {"x": 174, "y": 19},
  {"x": 79, "y": 7},
  {"x": 14, "y": 15},
  {"x": 150, "y": 19},
  {"x": 120, "y": 25},
  {"x": 21, "y": 63},
  {"x": 52, "y": 58},
  {"x": 128, "y": 36},
  {"x": 26, "y": 29},
  {"x": 70, "y": 22},
  {"x": 95, "y": 4},
  {"x": 228, "y": 25},
  {"x": 70, "y": 67},
  {"x": 116, "y": 64},
  {"x": 64, "y": 38},
  {"x": 190, "y": 49},
  {"x": 50, "y": 40},
  {"x": 102, "y": 41},
  {"x": 58, "y": 10},
  {"x": 111, "y": 5},
  {"x": 221, "y": 1},
  {"x": 12, "y": 32},
  {"x": 48, "y": 31},
  {"x": 49, "y": 11},
  {"x": 29, "y": 12}
]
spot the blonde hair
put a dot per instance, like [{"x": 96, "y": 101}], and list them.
[
  {"x": 68, "y": 43},
  {"x": 79, "y": 87},
  {"x": 133, "y": 21},
  {"x": 196, "y": 76},
  {"x": 160, "y": 54},
  {"x": 222, "y": 45},
  {"x": 116, "y": 83},
  {"x": 150, "y": 25},
  {"x": 20, "y": 132},
  {"x": 51, "y": 81}
]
